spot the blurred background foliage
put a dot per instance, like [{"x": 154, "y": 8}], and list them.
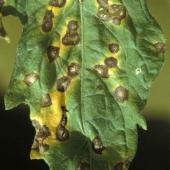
[{"x": 159, "y": 99}]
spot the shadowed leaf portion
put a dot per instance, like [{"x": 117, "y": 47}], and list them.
[{"x": 84, "y": 67}]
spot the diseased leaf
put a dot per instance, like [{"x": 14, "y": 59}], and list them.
[{"x": 84, "y": 67}]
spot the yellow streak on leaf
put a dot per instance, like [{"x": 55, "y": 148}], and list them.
[{"x": 50, "y": 117}]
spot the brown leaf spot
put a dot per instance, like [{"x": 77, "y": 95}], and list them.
[
  {"x": 62, "y": 133},
  {"x": 113, "y": 47},
  {"x": 72, "y": 25},
  {"x": 52, "y": 53},
  {"x": 110, "y": 62},
  {"x": 121, "y": 94},
  {"x": 73, "y": 69},
  {"x": 64, "y": 116},
  {"x": 57, "y": 3},
  {"x": 63, "y": 83},
  {"x": 71, "y": 39},
  {"x": 47, "y": 21},
  {"x": 43, "y": 133},
  {"x": 97, "y": 145},
  {"x": 101, "y": 70},
  {"x": 117, "y": 11},
  {"x": 31, "y": 78},
  {"x": 103, "y": 14},
  {"x": 46, "y": 100}
]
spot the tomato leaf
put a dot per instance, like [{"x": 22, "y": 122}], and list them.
[{"x": 85, "y": 69}]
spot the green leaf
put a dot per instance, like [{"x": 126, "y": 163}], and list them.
[{"x": 85, "y": 69}]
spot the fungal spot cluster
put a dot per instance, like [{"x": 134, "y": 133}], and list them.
[
  {"x": 62, "y": 133},
  {"x": 31, "y": 78},
  {"x": 114, "y": 12},
  {"x": 42, "y": 133},
  {"x": 110, "y": 62},
  {"x": 97, "y": 145},
  {"x": 72, "y": 36},
  {"x": 47, "y": 23},
  {"x": 64, "y": 82},
  {"x": 83, "y": 165}
]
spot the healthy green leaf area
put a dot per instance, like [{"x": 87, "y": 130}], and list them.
[{"x": 84, "y": 67}]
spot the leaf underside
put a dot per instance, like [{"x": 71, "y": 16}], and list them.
[{"x": 84, "y": 67}]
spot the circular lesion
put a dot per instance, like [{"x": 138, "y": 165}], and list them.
[
  {"x": 72, "y": 36},
  {"x": 114, "y": 13},
  {"x": 121, "y": 94}
]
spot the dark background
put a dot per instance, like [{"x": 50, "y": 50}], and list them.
[{"x": 17, "y": 134}]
